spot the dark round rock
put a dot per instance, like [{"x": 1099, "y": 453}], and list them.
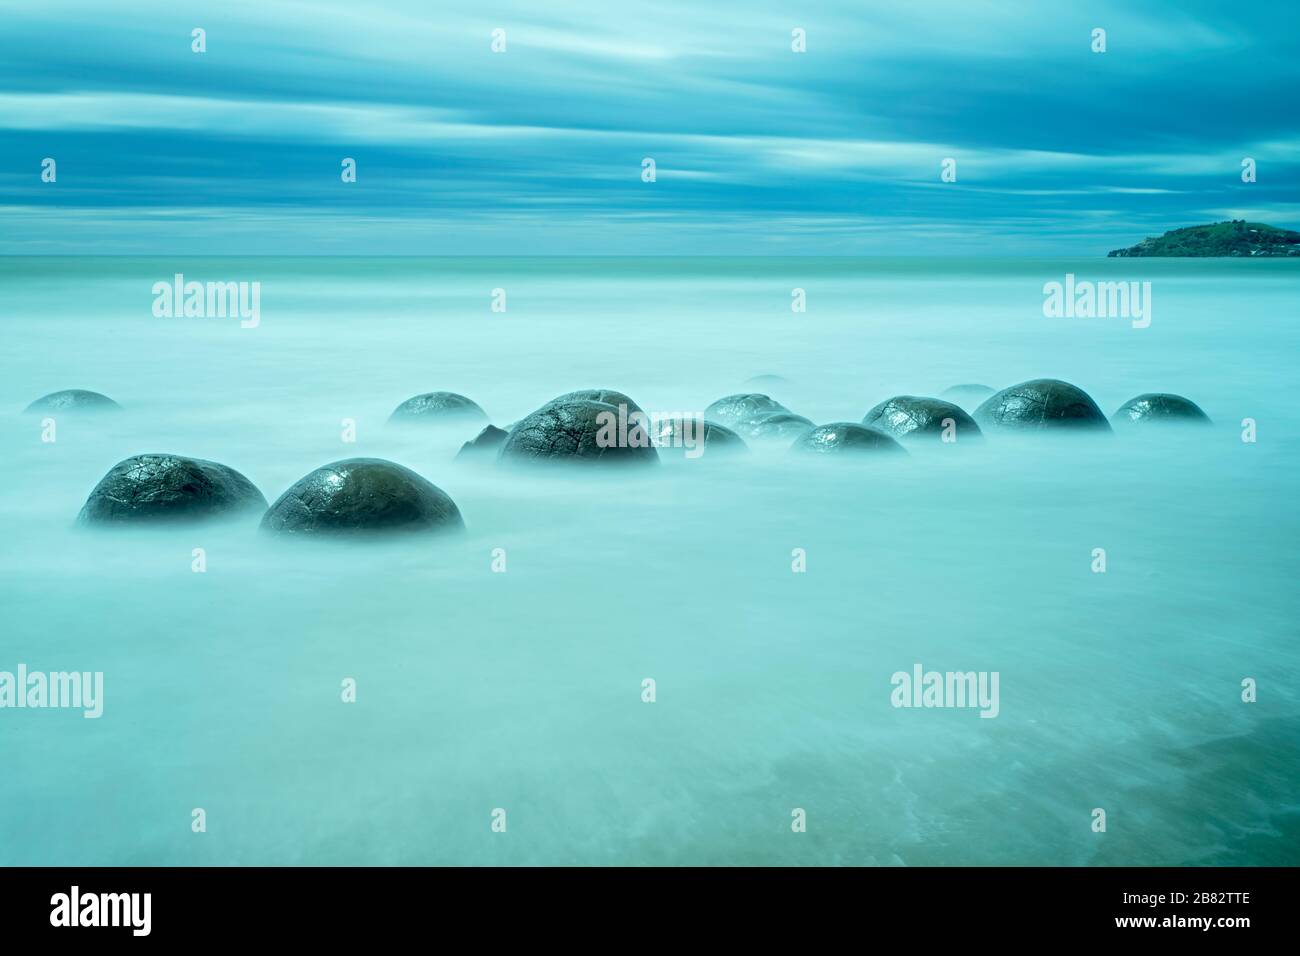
[
  {"x": 485, "y": 445},
  {"x": 967, "y": 396},
  {"x": 845, "y": 437},
  {"x": 774, "y": 425},
  {"x": 161, "y": 488},
  {"x": 578, "y": 431},
  {"x": 433, "y": 407},
  {"x": 734, "y": 409},
  {"x": 1160, "y": 407},
  {"x": 362, "y": 495},
  {"x": 73, "y": 400},
  {"x": 606, "y": 395},
  {"x": 1041, "y": 403},
  {"x": 673, "y": 433},
  {"x": 912, "y": 417}
]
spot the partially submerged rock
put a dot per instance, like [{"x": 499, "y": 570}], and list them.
[
  {"x": 434, "y": 407},
  {"x": 579, "y": 431},
  {"x": 484, "y": 446},
  {"x": 766, "y": 381},
  {"x": 1160, "y": 407},
  {"x": 1041, "y": 403},
  {"x": 150, "y": 489},
  {"x": 968, "y": 396},
  {"x": 845, "y": 438},
  {"x": 914, "y": 417},
  {"x": 745, "y": 406},
  {"x": 693, "y": 436},
  {"x": 362, "y": 495},
  {"x": 73, "y": 400},
  {"x": 606, "y": 395},
  {"x": 774, "y": 426}
]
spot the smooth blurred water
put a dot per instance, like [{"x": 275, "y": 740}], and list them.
[{"x": 522, "y": 690}]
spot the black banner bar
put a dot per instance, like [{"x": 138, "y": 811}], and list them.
[{"x": 334, "y": 905}]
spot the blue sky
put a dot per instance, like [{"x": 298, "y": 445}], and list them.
[{"x": 538, "y": 150}]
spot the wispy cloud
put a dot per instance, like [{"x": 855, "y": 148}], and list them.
[{"x": 837, "y": 149}]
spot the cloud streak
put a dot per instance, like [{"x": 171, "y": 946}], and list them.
[{"x": 835, "y": 150}]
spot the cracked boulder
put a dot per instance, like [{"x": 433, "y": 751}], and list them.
[
  {"x": 160, "y": 488},
  {"x": 1044, "y": 403},
  {"x": 606, "y": 395},
  {"x": 734, "y": 409},
  {"x": 362, "y": 495},
  {"x": 1160, "y": 407},
  {"x": 579, "y": 431},
  {"x": 73, "y": 400},
  {"x": 683, "y": 434},
  {"x": 437, "y": 407},
  {"x": 774, "y": 426},
  {"x": 912, "y": 417},
  {"x": 845, "y": 438}
]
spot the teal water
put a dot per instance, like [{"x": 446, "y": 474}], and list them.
[{"x": 523, "y": 690}]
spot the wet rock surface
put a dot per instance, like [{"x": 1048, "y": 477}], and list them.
[
  {"x": 159, "y": 488},
  {"x": 362, "y": 495},
  {"x": 607, "y": 395},
  {"x": 73, "y": 400},
  {"x": 914, "y": 417},
  {"x": 773, "y": 426},
  {"x": 744, "y": 406},
  {"x": 1161, "y": 407},
  {"x": 845, "y": 438},
  {"x": 484, "y": 446},
  {"x": 434, "y": 407},
  {"x": 1043, "y": 403},
  {"x": 671, "y": 435},
  {"x": 578, "y": 431}
]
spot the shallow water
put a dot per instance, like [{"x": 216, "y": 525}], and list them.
[{"x": 523, "y": 690}]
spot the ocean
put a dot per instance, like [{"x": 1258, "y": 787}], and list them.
[{"x": 772, "y": 737}]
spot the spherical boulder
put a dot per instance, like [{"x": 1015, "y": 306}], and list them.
[
  {"x": 967, "y": 396},
  {"x": 694, "y": 437},
  {"x": 775, "y": 426},
  {"x": 606, "y": 395},
  {"x": 734, "y": 409},
  {"x": 153, "y": 489},
  {"x": 1041, "y": 403},
  {"x": 845, "y": 438},
  {"x": 73, "y": 400},
  {"x": 579, "y": 431},
  {"x": 1160, "y": 407},
  {"x": 361, "y": 495},
  {"x": 436, "y": 407},
  {"x": 915, "y": 418},
  {"x": 485, "y": 445}
]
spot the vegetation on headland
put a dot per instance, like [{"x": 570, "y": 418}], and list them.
[{"x": 1233, "y": 238}]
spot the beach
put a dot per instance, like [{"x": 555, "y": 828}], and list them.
[{"x": 522, "y": 689}]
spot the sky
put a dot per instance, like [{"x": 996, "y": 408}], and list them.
[{"x": 539, "y": 149}]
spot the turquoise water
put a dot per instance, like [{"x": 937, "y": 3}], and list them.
[{"x": 523, "y": 690}]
